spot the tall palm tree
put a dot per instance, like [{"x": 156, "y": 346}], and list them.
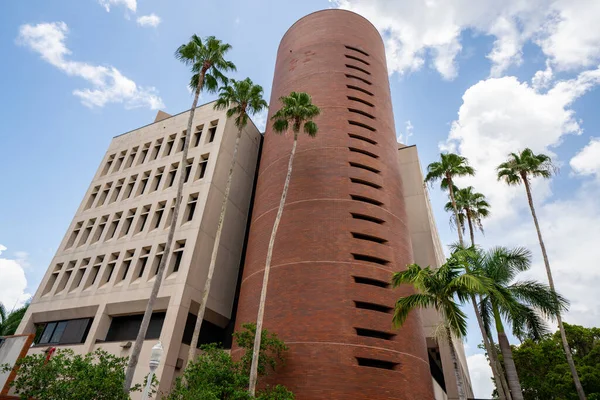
[
  {"x": 523, "y": 304},
  {"x": 472, "y": 208},
  {"x": 519, "y": 169},
  {"x": 296, "y": 113},
  {"x": 207, "y": 61},
  {"x": 439, "y": 289},
  {"x": 9, "y": 321},
  {"x": 450, "y": 166},
  {"x": 240, "y": 98}
]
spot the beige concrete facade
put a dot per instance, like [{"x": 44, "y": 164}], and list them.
[
  {"x": 428, "y": 251},
  {"x": 99, "y": 270}
]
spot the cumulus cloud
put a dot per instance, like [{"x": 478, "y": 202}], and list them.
[
  {"x": 499, "y": 115},
  {"x": 587, "y": 161},
  {"x": 418, "y": 31},
  {"x": 13, "y": 284},
  {"x": 131, "y": 5},
  {"x": 408, "y": 132},
  {"x": 109, "y": 85},
  {"x": 151, "y": 20},
  {"x": 481, "y": 376}
]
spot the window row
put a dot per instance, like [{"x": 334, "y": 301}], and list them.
[
  {"x": 164, "y": 178},
  {"x": 162, "y": 147},
  {"x": 112, "y": 269},
  {"x": 123, "y": 223}
]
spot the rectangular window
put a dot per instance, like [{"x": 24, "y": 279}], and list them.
[
  {"x": 156, "y": 150},
  {"x": 51, "y": 282},
  {"x": 188, "y": 169},
  {"x": 131, "y": 157},
  {"x": 126, "y": 327},
  {"x": 126, "y": 264},
  {"x": 144, "y": 153},
  {"x": 64, "y": 332},
  {"x": 86, "y": 232},
  {"x": 104, "y": 194},
  {"x": 172, "y": 175},
  {"x": 181, "y": 141},
  {"x": 100, "y": 228},
  {"x": 198, "y": 135},
  {"x": 63, "y": 282},
  {"x": 92, "y": 197},
  {"x": 79, "y": 274},
  {"x": 142, "y": 262},
  {"x": 128, "y": 222},
  {"x": 113, "y": 226},
  {"x": 169, "y": 146},
  {"x": 143, "y": 219},
  {"x": 170, "y": 214},
  {"x": 74, "y": 235},
  {"x": 109, "y": 162},
  {"x": 177, "y": 256},
  {"x": 157, "y": 179},
  {"x": 158, "y": 214},
  {"x": 191, "y": 207},
  {"x": 212, "y": 131},
  {"x": 143, "y": 183},
  {"x": 202, "y": 166},
  {"x": 129, "y": 188},
  {"x": 119, "y": 161},
  {"x": 94, "y": 272},
  {"x": 116, "y": 191},
  {"x": 110, "y": 268},
  {"x": 158, "y": 258}
]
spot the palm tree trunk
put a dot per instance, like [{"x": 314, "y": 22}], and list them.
[
  {"x": 213, "y": 257},
  {"x": 459, "y": 381},
  {"x": 139, "y": 340},
  {"x": 458, "y": 224},
  {"x": 502, "y": 385},
  {"x": 509, "y": 363},
  {"x": 561, "y": 327},
  {"x": 470, "y": 227},
  {"x": 263, "y": 292}
]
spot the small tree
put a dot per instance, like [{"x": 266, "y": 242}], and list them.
[
  {"x": 9, "y": 321},
  {"x": 66, "y": 375}
]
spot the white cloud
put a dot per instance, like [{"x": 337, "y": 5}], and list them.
[
  {"x": 109, "y": 85},
  {"x": 416, "y": 31},
  {"x": 13, "y": 283},
  {"x": 130, "y": 4},
  {"x": 408, "y": 132},
  {"x": 543, "y": 78},
  {"x": 151, "y": 20},
  {"x": 500, "y": 115},
  {"x": 260, "y": 119},
  {"x": 587, "y": 161},
  {"x": 481, "y": 376}
]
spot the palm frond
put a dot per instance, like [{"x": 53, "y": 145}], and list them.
[{"x": 405, "y": 305}]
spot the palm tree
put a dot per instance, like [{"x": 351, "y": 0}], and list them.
[
  {"x": 439, "y": 289},
  {"x": 207, "y": 61},
  {"x": 522, "y": 304},
  {"x": 9, "y": 321},
  {"x": 450, "y": 166},
  {"x": 240, "y": 98},
  {"x": 297, "y": 113},
  {"x": 472, "y": 207},
  {"x": 519, "y": 168}
]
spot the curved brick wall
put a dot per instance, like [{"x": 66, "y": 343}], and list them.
[{"x": 343, "y": 229}]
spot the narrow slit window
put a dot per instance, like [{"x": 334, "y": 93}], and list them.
[
  {"x": 169, "y": 145},
  {"x": 63, "y": 282},
  {"x": 212, "y": 132},
  {"x": 143, "y": 183},
  {"x": 74, "y": 235},
  {"x": 371, "y": 281},
  {"x": 116, "y": 191},
  {"x": 95, "y": 271},
  {"x": 365, "y": 152},
  {"x": 143, "y": 219},
  {"x": 364, "y": 139},
  {"x": 131, "y": 157},
  {"x": 359, "y": 89},
  {"x": 119, "y": 161},
  {"x": 374, "y": 333},
  {"x": 371, "y": 259},
  {"x": 86, "y": 232},
  {"x": 156, "y": 150},
  {"x": 157, "y": 179},
  {"x": 374, "y": 363},
  {"x": 359, "y": 100},
  {"x": 144, "y": 153},
  {"x": 181, "y": 143},
  {"x": 360, "y": 60},
  {"x": 191, "y": 207},
  {"x": 350, "y": 76},
  {"x": 158, "y": 258},
  {"x": 177, "y": 256},
  {"x": 128, "y": 222},
  {"x": 188, "y": 169},
  {"x": 110, "y": 268},
  {"x": 363, "y": 305},
  {"x": 358, "y": 69},
  {"x": 79, "y": 274},
  {"x": 51, "y": 282},
  {"x": 364, "y": 53},
  {"x": 126, "y": 264},
  {"x": 170, "y": 214},
  {"x": 366, "y": 200},
  {"x": 370, "y": 238},
  {"x": 129, "y": 188},
  {"x": 172, "y": 175},
  {"x": 366, "y": 183},
  {"x": 365, "y": 167},
  {"x": 355, "y": 111},
  {"x": 109, "y": 162},
  {"x": 104, "y": 194},
  {"x": 367, "y": 218},
  {"x": 142, "y": 262},
  {"x": 158, "y": 214},
  {"x": 113, "y": 226},
  {"x": 100, "y": 228},
  {"x": 92, "y": 197},
  {"x": 202, "y": 167},
  {"x": 362, "y": 125},
  {"x": 198, "y": 135}
]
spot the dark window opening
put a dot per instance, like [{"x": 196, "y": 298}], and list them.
[
  {"x": 143, "y": 261},
  {"x": 362, "y": 125},
  {"x": 358, "y": 69},
  {"x": 127, "y": 327},
  {"x": 212, "y": 131},
  {"x": 63, "y": 332},
  {"x": 372, "y": 259},
  {"x": 359, "y": 89},
  {"x": 373, "y": 307},
  {"x": 365, "y": 152},
  {"x": 358, "y": 79},
  {"x": 352, "y": 98},
  {"x": 374, "y": 363},
  {"x": 367, "y": 218},
  {"x": 374, "y": 333},
  {"x": 356, "y": 59},
  {"x": 366, "y": 200},
  {"x": 357, "y": 49},
  {"x": 364, "y": 139},
  {"x": 370, "y": 238},
  {"x": 209, "y": 333},
  {"x": 366, "y": 183},
  {"x": 371, "y": 281},
  {"x": 353, "y": 110}
]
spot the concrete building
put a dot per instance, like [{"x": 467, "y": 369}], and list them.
[{"x": 356, "y": 212}]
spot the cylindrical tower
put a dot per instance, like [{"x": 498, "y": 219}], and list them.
[{"x": 343, "y": 230}]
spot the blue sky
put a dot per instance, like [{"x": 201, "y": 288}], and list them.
[{"x": 478, "y": 77}]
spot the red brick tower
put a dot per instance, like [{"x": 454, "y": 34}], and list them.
[{"x": 343, "y": 230}]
